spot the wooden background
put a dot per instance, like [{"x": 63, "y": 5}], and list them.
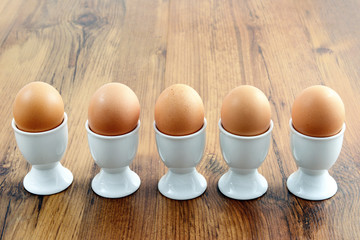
[{"x": 280, "y": 46}]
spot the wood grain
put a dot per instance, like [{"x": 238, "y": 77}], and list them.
[{"x": 279, "y": 46}]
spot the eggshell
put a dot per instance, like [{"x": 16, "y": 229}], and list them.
[
  {"x": 179, "y": 111},
  {"x": 114, "y": 109},
  {"x": 318, "y": 111},
  {"x": 38, "y": 107},
  {"x": 246, "y": 111}
]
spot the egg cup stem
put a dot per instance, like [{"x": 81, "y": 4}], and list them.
[
  {"x": 243, "y": 184},
  {"x": 115, "y": 182},
  {"x": 312, "y": 184},
  {"x": 47, "y": 179},
  {"x": 182, "y": 184}
]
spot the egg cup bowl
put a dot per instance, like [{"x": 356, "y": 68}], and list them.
[
  {"x": 314, "y": 156},
  {"x": 44, "y": 150},
  {"x": 113, "y": 154},
  {"x": 243, "y": 154},
  {"x": 181, "y": 154}
]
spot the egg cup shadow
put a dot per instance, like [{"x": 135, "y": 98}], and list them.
[
  {"x": 181, "y": 154},
  {"x": 44, "y": 150},
  {"x": 243, "y": 155},
  {"x": 314, "y": 156},
  {"x": 114, "y": 154}
]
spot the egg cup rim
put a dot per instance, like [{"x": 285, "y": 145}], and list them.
[
  {"x": 202, "y": 129},
  {"x": 293, "y": 130},
  {"x": 63, "y": 124},
  {"x": 223, "y": 130},
  {"x": 136, "y": 129}
]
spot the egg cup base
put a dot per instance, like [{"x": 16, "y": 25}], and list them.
[
  {"x": 181, "y": 184},
  {"x": 53, "y": 178},
  {"x": 312, "y": 186},
  {"x": 243, "y": 184},
  {"x": 115, "y": 183}
]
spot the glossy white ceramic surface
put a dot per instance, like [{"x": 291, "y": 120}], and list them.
[
  {"x": 44, "y": 150},
  {"x": 113, "y": 154},
  {"x": 181, "y": 154},
  {"x": 314, "y": 156},
  {"x": 115, "y": 183},
  {"x": 243, "y": 154}
]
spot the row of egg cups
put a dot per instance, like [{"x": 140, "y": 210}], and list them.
[{"x": 181, "y": 154}]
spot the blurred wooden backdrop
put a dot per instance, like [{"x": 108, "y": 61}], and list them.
[{"x": 278, "y": 46}]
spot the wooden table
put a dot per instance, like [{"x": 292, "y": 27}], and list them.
[{"x": 279, "y": 46}]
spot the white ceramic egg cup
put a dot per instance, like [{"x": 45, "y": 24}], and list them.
[
  {"x": 181, "y": 154},
  {"x": 243, "y": 154},
  {"x": 44, "y": 150},
  {"x": 314, "y": 156},
  {"x": 114, "y": 155}
]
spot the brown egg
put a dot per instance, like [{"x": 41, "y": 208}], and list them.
[
  {"x": 38, "y": 107},
  {"x": 318, "y": 111},
  {"x": 246, "y": 111},
  {"x": 179, "y": 111},
  {"x": 114, "y": 109}
]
